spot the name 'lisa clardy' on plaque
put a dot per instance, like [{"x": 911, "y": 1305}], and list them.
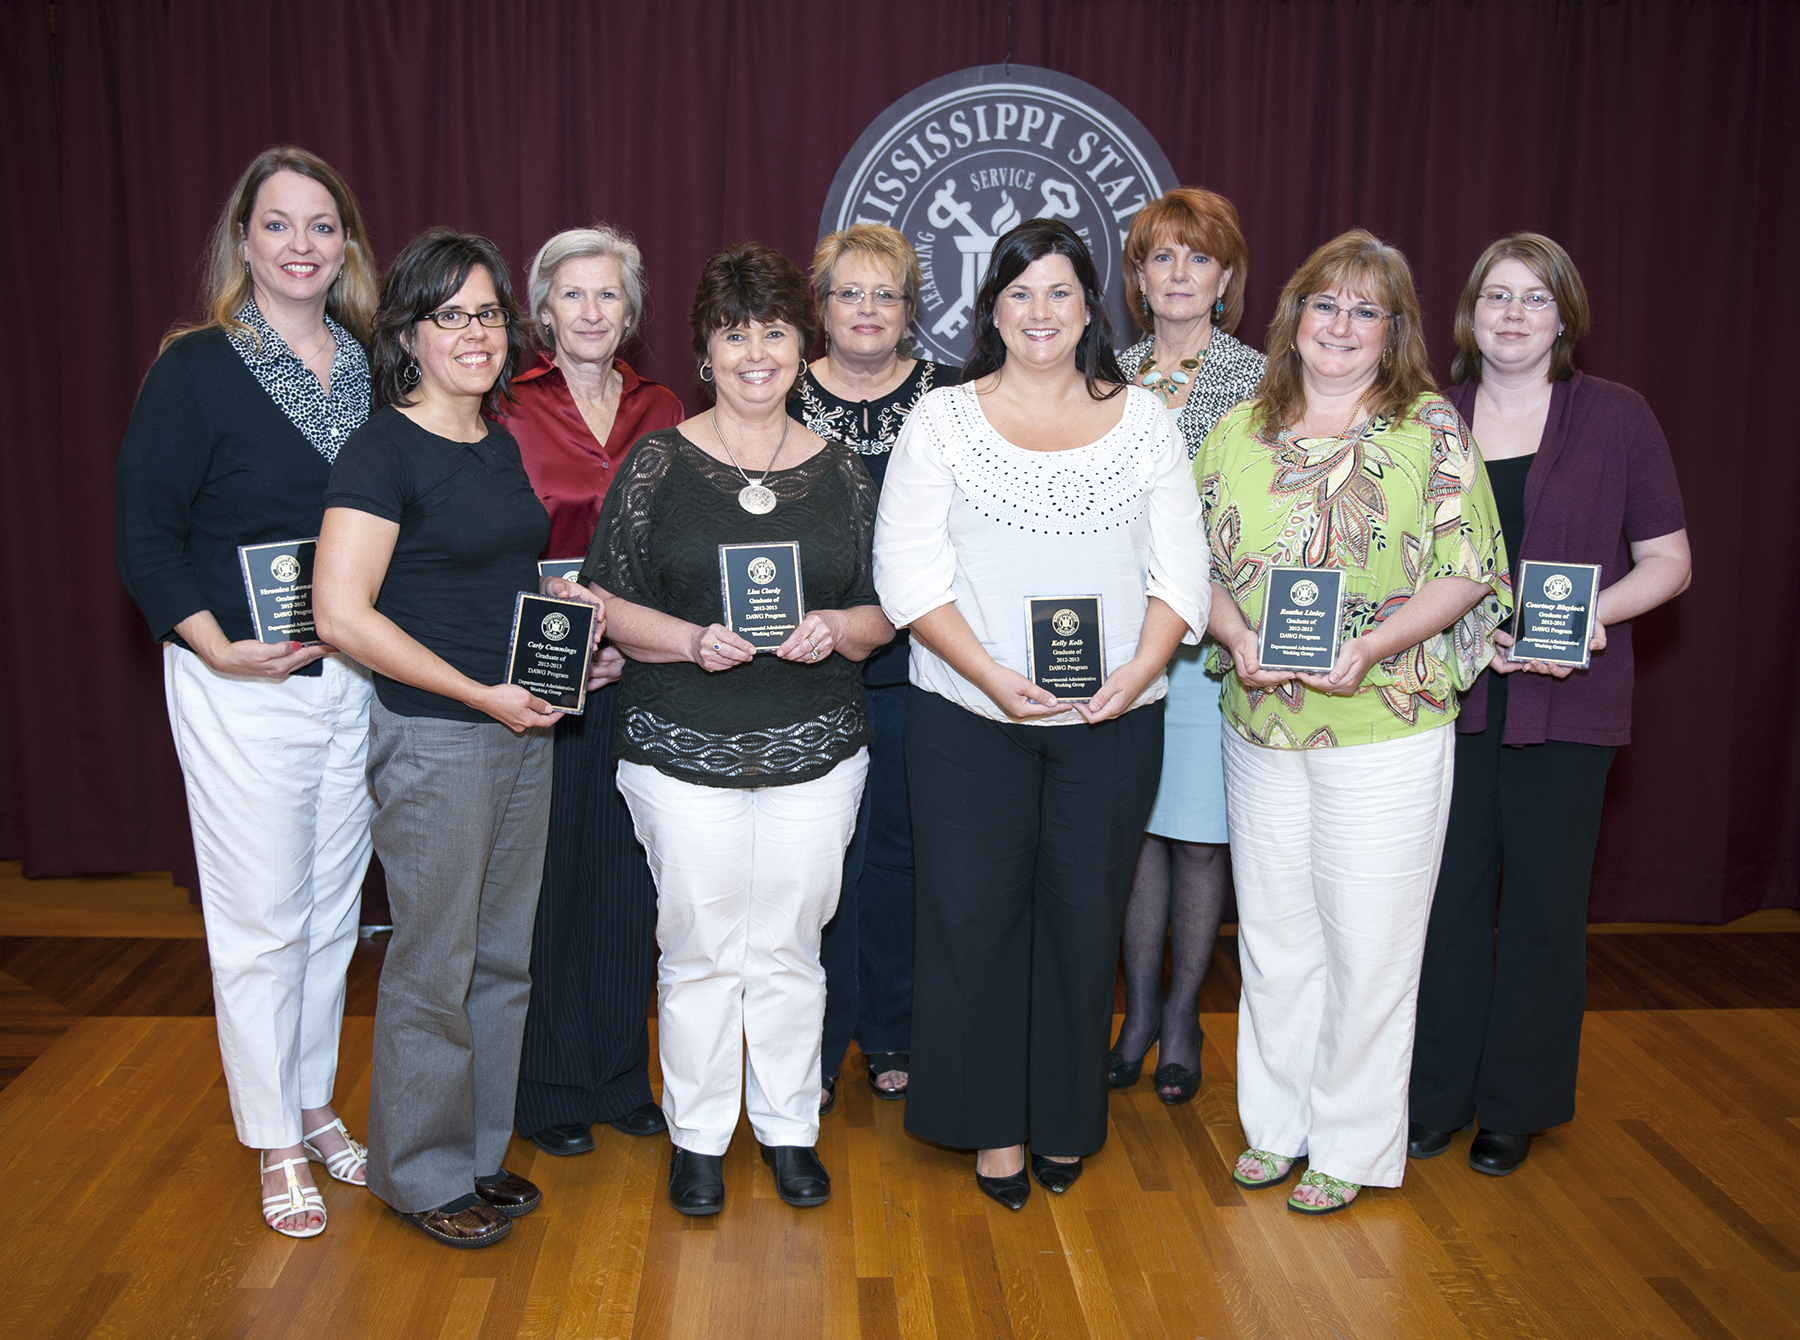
[
  {"x": 760, "y": 587},
  {"x": 278, "y": 577},
  {"x": 1303, "y": 619},
  {"x": 552, "y": 644},
  {"x": 1065, "y": 645},
  {"x": 1553, "y": 614}
]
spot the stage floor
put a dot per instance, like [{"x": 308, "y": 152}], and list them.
[{"x": 1666, "y": 1209}]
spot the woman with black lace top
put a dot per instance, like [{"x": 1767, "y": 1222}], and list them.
[{"x": 743, "y": 771}]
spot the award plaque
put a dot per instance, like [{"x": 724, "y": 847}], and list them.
[
  {"x": 552, "y": 643},
  {"x": 569, "y": 569},
  {"x": 1065, "y": 645},
  {"x": 1303, "y": 617},
  {"x": 761, "y": 587},
  {"x": 1553, "y": 612},
  {"x": 278, "y": 579}
]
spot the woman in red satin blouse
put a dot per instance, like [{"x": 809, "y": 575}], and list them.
[{"x": 580, "y": 408}]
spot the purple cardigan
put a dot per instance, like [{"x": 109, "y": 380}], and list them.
[{"x": 1602, "y": 479}]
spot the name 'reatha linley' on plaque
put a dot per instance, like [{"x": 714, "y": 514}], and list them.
[
  {"x": 1303, "y": 618},
  {"x": 760, "y": 586},
  {"x": 1553, "y": 612},
  {"x": 552, "y": 643},
  {"x": 278, "y": 578},
  {"x": 1065, "y": 645}
]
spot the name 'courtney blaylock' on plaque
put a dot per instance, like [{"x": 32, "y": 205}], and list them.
[
  {"x": 1303, "y": 618},
  {"x": 760, "y": 584},
  {"x": 1553, "y": 617},
  {"x": 552, "y": 644},
  {"x": 278, "y": 578},
  {"x": 1065, "y": 645}
]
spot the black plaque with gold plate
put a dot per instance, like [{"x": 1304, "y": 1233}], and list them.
[
  {"x": 1065, "y": 645},
  {"x": 278, "y": 577},
  {"x": 569, "y": 569},
  {"x": 1303, "y": 618},
  {"x": 552, "y": 643},
  {"x": 760, "y": 585},
  {"x": 1553, "y": 612}
]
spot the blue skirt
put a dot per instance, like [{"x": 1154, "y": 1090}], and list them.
[{"x": 1190, "y": 801}]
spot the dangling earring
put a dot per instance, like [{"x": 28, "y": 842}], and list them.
[
  {"x": 706, "y": 371},
  {"x": 1219, "y": 309},
  {"x": 1144, "y": 302},
  {"x": 1387, "y": 356},
  {"x": 410, "y": 375}
]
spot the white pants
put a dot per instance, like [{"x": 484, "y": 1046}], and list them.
[
  {"x": 745, "y": 881},
  {"x": 280, "y": 811},
  {"x": 1335, "y": 856}
]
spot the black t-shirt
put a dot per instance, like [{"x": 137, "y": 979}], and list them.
[
  {"x": 1507, "y": 480},
  {"x": 470, "y": 532},
  {"x": 771, "y": 722}
]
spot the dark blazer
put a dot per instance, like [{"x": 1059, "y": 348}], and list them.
[{"x": 1602, "y": 479}]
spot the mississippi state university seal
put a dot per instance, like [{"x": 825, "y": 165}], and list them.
[{"x": 959, "y": 161}]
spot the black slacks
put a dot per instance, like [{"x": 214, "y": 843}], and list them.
[
  {"x": 1499, "y": 1031},
  {"x": 1024, "y": 843},
  {"x": 593, "y": 955}
]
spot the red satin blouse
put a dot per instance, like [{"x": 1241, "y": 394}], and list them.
[{"x": 570, "y": 471}]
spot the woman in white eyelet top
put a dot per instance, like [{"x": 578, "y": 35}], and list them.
[{"x": 1041, "y": 475}]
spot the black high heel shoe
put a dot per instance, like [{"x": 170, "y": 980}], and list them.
[
  {"x": 1122, "y": 1074},
  {"x": 1011, "y": 1192},
  {"x": 1054, "y": 1176}
]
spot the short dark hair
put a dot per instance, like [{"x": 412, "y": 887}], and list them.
[
  {"x": 744, "y": 283},
  {"x": 426, "y": 274},
  {"x": 1032, "y": 241}
]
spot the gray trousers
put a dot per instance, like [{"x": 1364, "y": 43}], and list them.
[{"x": 462, "y": 810}]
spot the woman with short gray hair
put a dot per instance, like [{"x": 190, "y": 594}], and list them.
[{"x": 580, "y": 408}]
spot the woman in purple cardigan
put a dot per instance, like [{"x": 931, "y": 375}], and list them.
[{"x": 1581, "y": 473}]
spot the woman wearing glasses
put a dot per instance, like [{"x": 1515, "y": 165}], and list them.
[
  {"x": 431, "y": 528},
  {"x": 1581, "y": 474},
  {"x": 866, "y": 284},
  {"x": 1338, "y": 783}
]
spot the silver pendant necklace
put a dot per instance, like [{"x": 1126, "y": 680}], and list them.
[{"x": 755, "y": 497}]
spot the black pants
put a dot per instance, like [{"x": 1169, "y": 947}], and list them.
[
  {"x": 593, "y": 956},
  {"x": 1024, "y": 842},
  {"x": 1499, "y": 1030}
]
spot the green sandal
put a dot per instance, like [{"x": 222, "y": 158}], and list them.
[
  {"x": 1338, "y": 1194},
  {"x": 1267, "y": 1162}
]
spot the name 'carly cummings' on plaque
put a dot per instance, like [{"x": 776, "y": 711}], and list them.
[
  {"x": 959, "y": 161},
  {"x": 551, "y": 648}
]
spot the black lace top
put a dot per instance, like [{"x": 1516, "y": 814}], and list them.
[{"x": 771, "y": 722}]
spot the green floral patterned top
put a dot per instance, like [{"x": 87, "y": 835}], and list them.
[{"x": 1394, "y": 505}]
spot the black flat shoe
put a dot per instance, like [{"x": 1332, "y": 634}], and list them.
[
  {"x": 1054, "y": 1176},
  {"x": 564, "y": 1140},
  {"x": 645, "y": 1120},
  {"x": 1122, "y": 1074},
  {"x": 1424, "y": 1143},
  {"x": 1496, "y": 1154},
  {"x": 830, "y": 1087},
  {"x": 879, "y": 1065},
  {"x": 1185, "y": 1082},
  {"x": 1011, "y": 1192},
  {"x": 696, "y": 1182},
  {"x": 800, "y": 1179}
]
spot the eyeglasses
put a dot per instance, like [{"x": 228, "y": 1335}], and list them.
[
  {"x": 452, "y": 318},
  {"x": 1535, "y": 301},
  {"x": 852, "y": 297},
  {"x": 1361, "y": 314}
]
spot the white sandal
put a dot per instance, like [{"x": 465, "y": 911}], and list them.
[
  {"x": 299, "y": 1200},
  {"x": 352, "y": 1158}
]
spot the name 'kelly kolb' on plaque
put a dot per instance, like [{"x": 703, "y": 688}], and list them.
[
  {"x": 278, "y": 578},
  {"x": 1553, "y": 612},
  {"x": 760, "y": 584},
  {"x": 1303, "y": 618},
  {"x": 1065, "y": 645},
  {"x": 552, "y": 643}
]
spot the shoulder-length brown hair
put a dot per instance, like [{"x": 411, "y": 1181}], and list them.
[
  {"x": 1546, "y": 259},
  {"x": 1360, "y": 263},
  {"x": 226, "y": 288},
  {"x": 1202, "y": 220}
]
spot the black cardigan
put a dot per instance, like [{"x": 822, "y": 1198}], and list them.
[{"x": 209, "y": 463}]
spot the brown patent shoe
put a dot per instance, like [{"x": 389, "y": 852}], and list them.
[
  {"x": 508, "y": 1193},
  {"x": 467, "y": 1221}
]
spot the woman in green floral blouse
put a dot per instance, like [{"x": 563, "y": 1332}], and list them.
[{"x": 1338, "y": 783}]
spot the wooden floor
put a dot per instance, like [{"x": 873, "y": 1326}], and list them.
[{"x": 1668, "y": 1208}]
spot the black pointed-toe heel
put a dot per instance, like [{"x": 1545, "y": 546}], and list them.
[
  {"x": 1185, "y": 1082},
  {"x": 1054, "y": 1176},
  {"x": 1011, "y": 1192},
  {"x": 1122, "y": 1074}
]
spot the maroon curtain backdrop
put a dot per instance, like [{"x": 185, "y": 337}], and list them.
[{"x": 1656, "y": 140}]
